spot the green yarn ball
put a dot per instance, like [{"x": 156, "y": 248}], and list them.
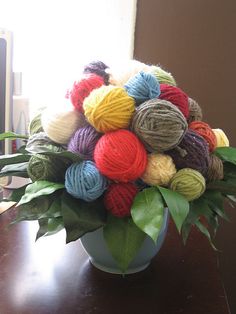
[
  {"x": 188, "y": 182},
  {"x": 163, "y": 76},
  {"x": 35, "y": 125},
  {"x": 42, "y": 167}
]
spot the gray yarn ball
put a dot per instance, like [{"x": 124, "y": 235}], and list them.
[
  {"x": 159, "y": 125},
  {"x": 195, "y": 111}
]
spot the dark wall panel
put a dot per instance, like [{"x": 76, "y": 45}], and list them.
[{"x": 196, "y": 41}]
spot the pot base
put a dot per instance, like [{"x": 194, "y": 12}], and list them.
[{"x": 117, "y": 271}]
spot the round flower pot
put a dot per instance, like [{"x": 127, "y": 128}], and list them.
[{"x": 100, "y": 257}]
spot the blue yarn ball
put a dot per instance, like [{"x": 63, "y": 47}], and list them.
[
  {"x": 84, "y": 181},
  {"x": 143, "y": 86}
]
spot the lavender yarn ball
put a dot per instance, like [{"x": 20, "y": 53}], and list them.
[
  {"x": 83, "y": 142},
  {"x": 99, "y": 68},
  {"x": 143, "y": 86},
  {"x": 192, "y": 153},
  {"x": 84, "y": 181},
  {"x": 159, "y": 124}
]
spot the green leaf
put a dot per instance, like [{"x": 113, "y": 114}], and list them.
[
  {"x": 215, "y": 200},
  {"x": 34, "y": 209},
  {"x": 123, "y": 239},
  {"x": 17, "y": 194},
  {"x": 13, "y": 159},
  {"x": 81, "y": 217},
  {"x": 197, "y": 209},
  {"x": 54, "y": 209},
  {"x": 39, "y": 188},
  {"x": 224, "y": 187},
  {"x": 17, "y": 170},
  {"x": 204, "y": 230},
  {"x": 11, "y": 136},
  {"x": 177, "y": 205},
  {"x": 229, "y": 171},
  {"x": 226, "y": 154},
  {"x": 147, "y": 212},
  {"x": 49, "y": 227}
]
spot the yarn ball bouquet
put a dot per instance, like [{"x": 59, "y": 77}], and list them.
[{"x": 126, "y": 152}]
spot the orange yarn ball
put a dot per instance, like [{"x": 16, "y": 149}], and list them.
[
  {"x": 206, "y": 132},
  {"x": 120, "y": 156}
]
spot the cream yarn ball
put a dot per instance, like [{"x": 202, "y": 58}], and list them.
[
  {"x": 160, "y": 169},
  {"x": 221, "y": 138},
  {"x": 61, "y": 123},
  {"x": 122, "y": 72}
]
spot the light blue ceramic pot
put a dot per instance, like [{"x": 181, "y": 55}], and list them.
[{"x": 95, "y": 246}]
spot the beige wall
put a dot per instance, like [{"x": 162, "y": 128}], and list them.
[{"x": 196, "y": 41}]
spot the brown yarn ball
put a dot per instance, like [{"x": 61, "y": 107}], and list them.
[
  {"x": 216, "y": 169},
  {"x": 159, "y": 124},
  {"x": 195, "y": 111}
]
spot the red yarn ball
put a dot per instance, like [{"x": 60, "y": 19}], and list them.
[
  {"x": 206, "y": 132},
  {"x": 83, "y": 88},
  {"x": 176, "y": 96},
  {"x": 120, "y": 156},
  {"x": 119, "y": 197}
]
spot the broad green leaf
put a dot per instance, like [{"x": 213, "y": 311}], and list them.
[
  {"x": 229, "y": 171},
  {"x": 123, "y": 239},
  {"x": 34, "y": 209},
  {"x": 13, "y": 159},
  {"x": 147, "y": 212},
  {"x": 12, "y": 136},
  {"x": 81, "y": 217},
  {"x": 17, "y": 170},
  {"x": 224, "y": 187},
  {"x": 204, "y": 230},
  {"x": 226, "y": 154},
  {"x": 39, "y": 188},
  {"x": 54, "y": 209},
  {"x": 177, "y": 205},
  {"x": 49, "y": 227},
  {"x": 17, "y": 194}
]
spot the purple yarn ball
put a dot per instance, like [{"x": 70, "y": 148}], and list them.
[
  {"x": 192, "y": 152},
  {"x": 99, "y": 68},
  {"x": 83, "y": 142}
]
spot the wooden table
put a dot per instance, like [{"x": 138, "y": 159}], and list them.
[{"x": 49, "y": 277}]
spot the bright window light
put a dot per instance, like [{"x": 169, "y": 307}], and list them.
[{"x": 53, "y": 39}]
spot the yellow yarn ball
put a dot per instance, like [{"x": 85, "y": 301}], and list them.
[
  {"x": 160, "y": 169},
  {"x": 221, "y": 138},
  {"x": 61, "y": 123},
  {"x": 109, "y": 108}
]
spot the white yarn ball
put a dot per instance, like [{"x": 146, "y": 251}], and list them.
[
  {"x": 61, "y": 123},
  {"x": 122, "y": 72}
]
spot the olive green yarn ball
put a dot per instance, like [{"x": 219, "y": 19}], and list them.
[
  {"x": 42, "y": 167},
  {"x": 163, "y": 76},
  {"x": 188, "y": 182},
  {"x": 35, "y": 125}
]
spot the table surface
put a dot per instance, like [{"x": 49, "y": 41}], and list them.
[{"x": 49, "y": 277}]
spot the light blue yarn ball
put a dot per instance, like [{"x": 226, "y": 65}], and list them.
[
  {"x": 84, "y": 181},
  {"x": 143, "y": 86}
]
